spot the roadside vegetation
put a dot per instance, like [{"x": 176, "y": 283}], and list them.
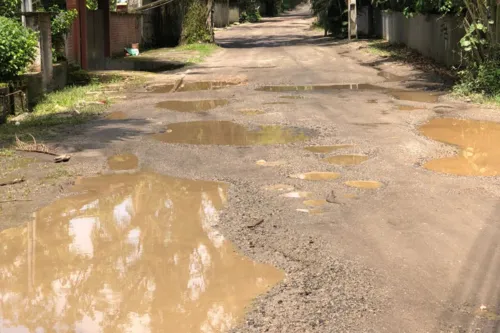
[{"x": 478, "y": 78}]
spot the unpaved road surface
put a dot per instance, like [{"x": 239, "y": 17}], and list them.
[{"x": 417, "y": 253}]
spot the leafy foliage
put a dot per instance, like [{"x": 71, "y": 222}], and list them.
[
  {"x": 9, "y": 8},
  {"x": 18, "y": 47},
  {"x": 194, "y": 27},
  {"x": 250, "y": 12},
  {"x": 61, "y": 21},
  {"x": 332, "y": 15}
]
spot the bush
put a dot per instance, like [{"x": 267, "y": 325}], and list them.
[
  {"x": 18, "y": 47},
  {"x": 194, "y": 27},
  {"x": 482, "y": 79},
  {"x": 9, "y": 8}
]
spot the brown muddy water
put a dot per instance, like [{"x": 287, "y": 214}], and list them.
[
  {"x": 191, "y": 86},
  {"x": 162, "y": 88},
  {"x": 478, "y": 141},
  {"x": 252, "y": 112},
  {"x": 130, "y": 253},
  {"x": 278, "y": 187},
  {"x": 316, "y": 175},
  {"x": 123, "y": 162},
  {"x": 364, "y": 184},
  {"x": 406, "y": 95},
  {"x": 192, "y": 106},
  {"x": 117, "y": 115},
  {"x": 214, "y": 132},
  {"x": 315, "y": 203},
  {"x": 407, "y": 108},
  {"x": 292, "y": 97},
  {"x": 326, "y": 149},
  {"x": 346, "y": 159},
  {"x": 297, "y": 194}
]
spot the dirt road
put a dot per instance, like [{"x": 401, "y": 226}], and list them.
[{"x": 414, "y": 251}]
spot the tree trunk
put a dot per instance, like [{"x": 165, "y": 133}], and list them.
[{"x": 210, "y": 19}]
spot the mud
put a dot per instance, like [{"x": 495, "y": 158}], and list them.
[
  {"x": 278, "y": 187},
  {"x": 270, "y": 163},
  {"x": 316, "y": 175},
  {"x": 163, "y": 88},
  {"x": 229, "y": 133},
  {"x": 408, "y": 108},
  {"x": 315, "y": 203},
  {"x": 292, "y": 97},
  {"x": 360, "y": 86},
  {"x": 364, "y": 184},
  {"x": 192, "y": 106},
  {"x": 205, "y": 85},
  {"x": 415, "y": 96},
  {"x": 297, "y": 194},
  {"x": 117, "y": 115},
  {"x": 389, "y": 77},
  {"x": 478, "y": 141},
  {"x": 326, "y": 149},
  {"x": 277, "y": 103},
  {"x": 123, "y": 162},
  {"x": 131, "y": 253},
  {"x": 346, "y": 159}
]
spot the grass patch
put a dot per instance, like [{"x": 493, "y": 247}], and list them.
[
  {"x": 65, "y": 108},
  {"x": 188, "y": 54},
  {"x": 460, "y": 92}
]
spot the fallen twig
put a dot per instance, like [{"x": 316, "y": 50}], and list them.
[
  {"x": 251, "y": 226},
  {"x": 12, "y": 182},
  {"x": 40, "y": 148}
]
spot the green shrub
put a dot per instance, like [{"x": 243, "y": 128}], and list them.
[
  {"x": 483, "y": 79},
  {"x": 60, "y": 24},
  {"x": 9, "y": 8},
  {"x": 18, "y": 46},
  {"x": 194, "y": 27}
]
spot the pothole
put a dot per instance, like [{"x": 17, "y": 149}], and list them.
[
  {"x": 319, "y": 87},
  {"x": 415, "y": 96},
  {"x": 123, "y": 162},
  {"x": 161, "y": 88},
  {"x": 364, "y": 184},
  {"x": 277, "y": 103},
  {"x": 478, "y": 140},
  {"x": 316, "y": 175},
  {"x": 315, "y": 203},
  {"x": 192, "y": 106},
  {"x": 214, "y": 132},
  {"x": 205, "y": 85},
  {"x": 326, "y": 149},
  {"x": 113, "y": 253},
  {"x": 292, "y": 97},
  {"x": 346, "y": 159},
  {"x": 116, "y": 115}
]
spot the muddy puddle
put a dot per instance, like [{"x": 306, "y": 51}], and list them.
[
  {"x": 478, "y": 142},
  {"x": 389, "y": 77},
  {"x": 316, "y": 175},
  {"x": 364, "y": 184},
  {"x": 252, "y": 112},
  {"x": 117, "y": 115},
  {"x": 192, "y": 106},
  {"x": 346, "y": 159},
  {"x": 130, "y": 253},
  {"x": 214, "y": 132},
  {"x": 278, "y": 187},
  {"x": 123, "y": 162},
  {"x": 191, "y": 86},
  {"x": 405, "y": 95},
  {"x": 292, "y": 97},
  {"x": 319, "y": 87},
  {"x": 415, "y": 96},
  {"x": 326, "y": 149},
  {"x": 315, "y": 203},
  {"x": 162, "y": 88},
  {"x": 270, "y": 163},
  {"x": 297, "y": 194},
  {"x": 277, "y": 103}
]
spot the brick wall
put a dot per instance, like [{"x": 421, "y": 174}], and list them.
[{"x": 124, "y": 29}]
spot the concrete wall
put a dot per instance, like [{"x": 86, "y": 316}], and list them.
[
  {"x": 234, "y": 14},
  {"x": 433, "y": 36},
  {"x": 221, "y": 13}
]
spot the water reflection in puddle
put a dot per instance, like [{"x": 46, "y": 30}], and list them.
[
  {"x": 319, "y": 87},
  {"x": 315, "y": 203},
  {"x": 123, "y": 162},
  {"x": 297, "y": 194},
  {"x": 162, "y": 88},
  {"x": 192, "y": 106},
  {"x": 316, "y": 175},
  {"x": 365, "y": 184},
  {"x": 135, "y": 253},
  {"x": 346, "y": 159},
  {"x": 205, "y": 85},
  {"x": 229, "y": 133},
  {"x": 478, "y": 140},
  {"x": 326, "y": 149},
  {"x": 278, "y": 187},
  {"x": 415, "y": 96}
]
